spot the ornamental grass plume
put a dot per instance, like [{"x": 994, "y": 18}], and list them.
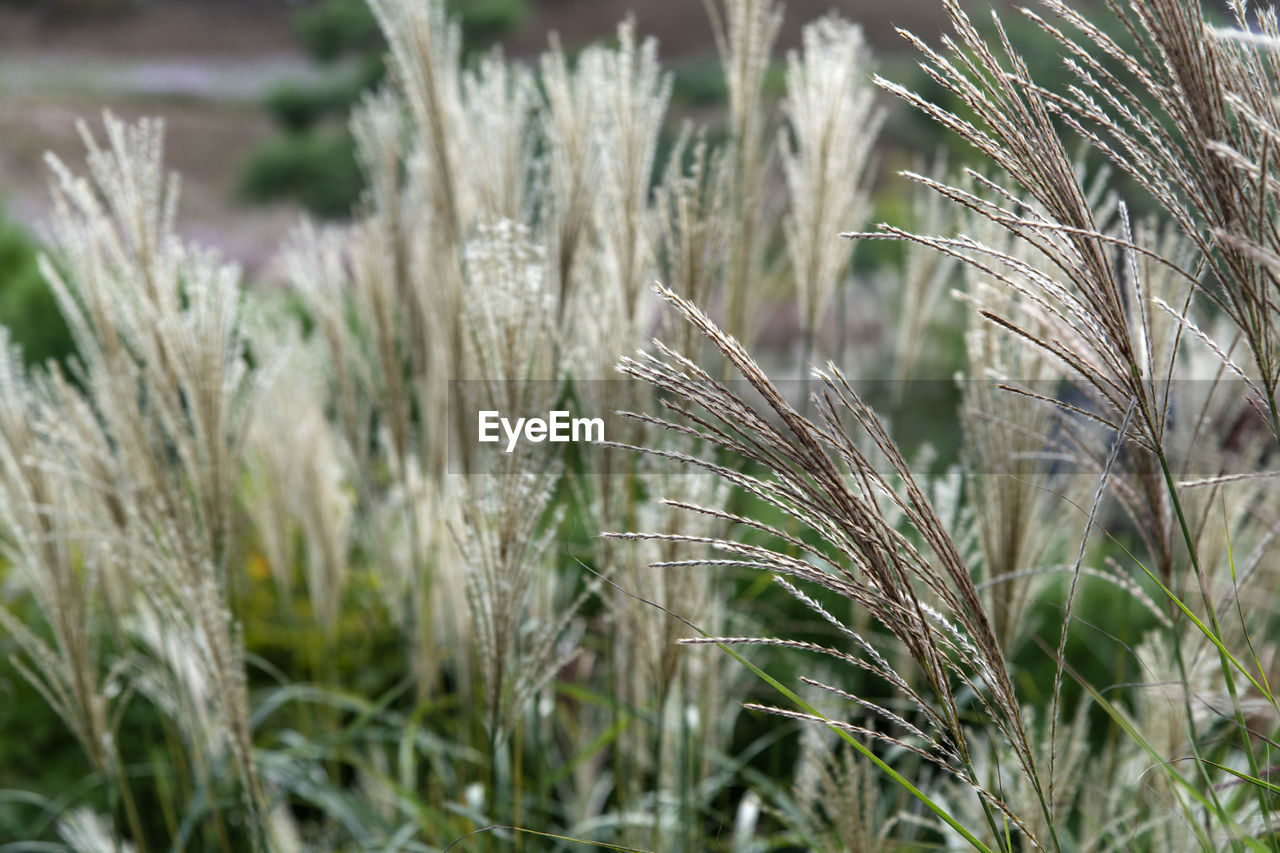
[
  {"x": 408, "y": 298},
  {"x": 1006, "y": 453},
  {"x": 678, "y": 694},
  {"x": 1078, "y": 295},
  {"x": 745, "y": 33},
  {"x": 518, "y": 615},
  {"x": 1075, "y": 774},
  {"x": 1189, "y": 114},
  {"x": 648, "y": 634},
  {"x": 158, "y": 327},
  {"x": 694, "y": 228},
  {"x": 1110, "y": 303},
  {"x": 1014, "y": 440},
  {"x": 425, "y": 49},
  {"x": 387, "y": 314},
  {"x": 145, "y": 307},
  {"x": 85, "y": 831},
  {"x": 833, "y": 124},
  {"x": 510, "y": 321},
  {"x": 924, "y": 279},
  {"x": 1165, "y": 119},
  {"x": 838, "y": 803},
  {"x": 311, "y": 264},
  {"x": 499, "y": 100},
  {"x": 1088, "y": 305},
  {"x": 510, "y": 220},
  {"x": 297, "y": 492},
  {"x": 173, "y": 674},
  {"x": 58, "y": 559},
  {"x": 571, "y": 169},
  {"x": 815, "y": 474},
  {"x": 633, "y": 94}
]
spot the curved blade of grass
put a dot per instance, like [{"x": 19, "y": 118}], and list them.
[
  {"x": 1159, "y": 760},
  {"x": 1245, "y": 777},
  {"x": 1208, "y": 633},
  {"x": 1231, "y": 561}
]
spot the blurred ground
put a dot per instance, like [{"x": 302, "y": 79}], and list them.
[
  {"x": 682, "y": 27},
  {"x": 206, "y": 28},
  {"x": 205, "y": 66}
]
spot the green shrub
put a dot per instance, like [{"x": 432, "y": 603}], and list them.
[
  {"x": 337, "y": 28},
  {"x": 298, "y": 108},
  {"x": 27, "y": 306},
  {"x": 319, "y": 171},
  {"x": 485, "y": 21},
  {"x": 699, "y": 84}
]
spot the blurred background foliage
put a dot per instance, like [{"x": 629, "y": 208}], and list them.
[
  {"x": 27, "y": 307},
  {"x": 313, "y": 161}
]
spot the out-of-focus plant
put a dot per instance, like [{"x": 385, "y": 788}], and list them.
[
  {"x": 313, "y": 161},
  {"x": 27, "y": 306}
]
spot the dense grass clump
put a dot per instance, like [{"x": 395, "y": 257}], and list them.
[{"x": 275, "y": 595}]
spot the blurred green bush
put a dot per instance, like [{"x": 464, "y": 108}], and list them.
[
  {"x": 314, "y": 162},
  {"x": 27, "y": 306},
  {"x": 297, "y": 107},
  {"x": 334, "y": 29},
  {"x": 317, "y": 169}
]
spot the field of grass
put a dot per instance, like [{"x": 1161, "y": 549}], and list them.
[{"x": 976, "y": 551}]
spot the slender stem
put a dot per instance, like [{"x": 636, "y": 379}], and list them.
[
  {"x": 686, "y": 765},
  {"x": 494, "y": 809},
  {"x": 219, "y": 825},
  {"x": 125, "y": 791},
  {"x": 806, "y": 355},
  {"x": 987, "y": 810},
  {"x": 1275, "y": 416},
  {"x": 842, "y": 309},
  {"x": 659, "y": 738},
  {"x": 517, "y": 779},
  {"x": 419, "y": 589},
  {"x": 1227, "y": 675}
]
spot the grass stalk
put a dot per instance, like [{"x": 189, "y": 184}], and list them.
[
  {"x": 806, "y": 355},
  {"x": 125, "y": 791},
  {"x": 928, "y": 802},
  {"x": 1224, "y": 661},
  {"x": 659, "y": 740}
]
